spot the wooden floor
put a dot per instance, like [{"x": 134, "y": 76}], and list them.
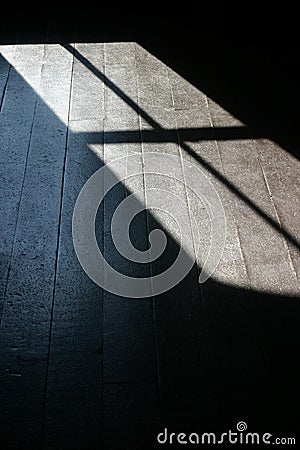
[{"x": 83, "y": 368}]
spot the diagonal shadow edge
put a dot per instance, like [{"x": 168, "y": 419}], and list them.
[
  {"x": 275, "y": 225},
  {"x": 111, "y": 85}
]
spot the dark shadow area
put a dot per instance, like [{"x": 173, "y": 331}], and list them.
[
  {"x": 221, "y": 354},
  {"x": 255, "y": 79}
]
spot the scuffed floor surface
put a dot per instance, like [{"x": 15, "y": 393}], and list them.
[{"x": 82, "y": 368}]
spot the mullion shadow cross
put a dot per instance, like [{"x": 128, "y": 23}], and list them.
[
  {"x": 163, "y": 135},
  {"x": 181, "y": 135}
]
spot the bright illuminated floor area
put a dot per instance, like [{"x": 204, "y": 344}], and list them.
[{"x": 85, "y": 366}]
